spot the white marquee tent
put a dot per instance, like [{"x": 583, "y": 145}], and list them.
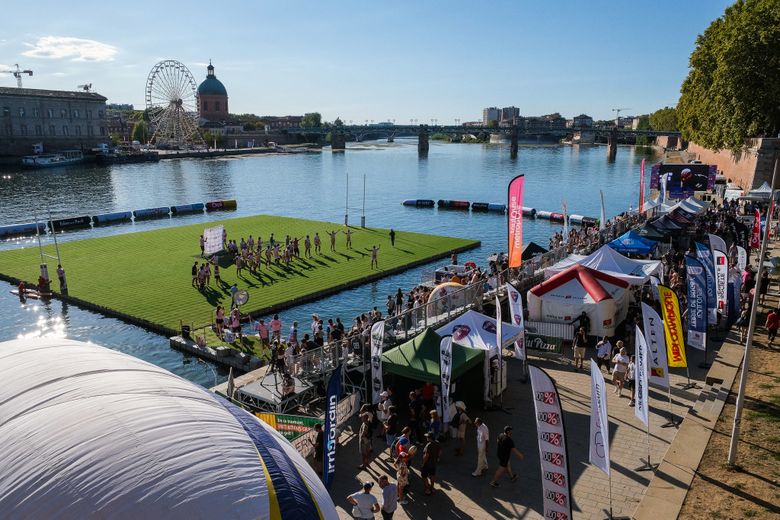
[
  {"x": 609, "y": 261},
  {"x": 476, "y": 330},
  {"x": 566, "y": 295},
  {"x": 89, "y": 432}
]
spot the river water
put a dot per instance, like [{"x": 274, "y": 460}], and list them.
[{"x": 308, "y": 186}]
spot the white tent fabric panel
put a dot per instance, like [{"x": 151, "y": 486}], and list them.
[
  {"x": 609, "y": 261},
  {"x": 90, "y": 432},
  {"x": 477, "y": 330}
]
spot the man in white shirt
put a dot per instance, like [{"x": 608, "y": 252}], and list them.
[
  {"x": 365, "y": 505},
  {"x": 389, "y": 497},
  {"x": 483, "y": 438},
  {"x": 603, "y": 352}
]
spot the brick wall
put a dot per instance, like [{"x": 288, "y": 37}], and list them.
[{"x": 748, "y": 169}]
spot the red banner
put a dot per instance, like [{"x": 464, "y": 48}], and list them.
[
  {"x": 755, "y": 237},
  {"x": 516, "y": 221},
  {"x": 642, "y": 188}
]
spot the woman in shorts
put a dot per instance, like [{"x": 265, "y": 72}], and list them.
[{"x": 620, "y": 362}]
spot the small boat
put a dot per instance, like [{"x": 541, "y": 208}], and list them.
[{"x": 52, "y": 160}]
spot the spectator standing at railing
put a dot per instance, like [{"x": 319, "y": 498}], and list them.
[
  {"x": 390, "y": 304},
  {"x": 292, "y": 339}
]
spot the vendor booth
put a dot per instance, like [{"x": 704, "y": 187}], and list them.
[
  {"x": 607, "y": 260},
  {"x": 630, "y": 243},
  {"x": 604, "y": 298}
]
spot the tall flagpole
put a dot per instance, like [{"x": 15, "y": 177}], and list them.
[{"x": 749, "y": 343}]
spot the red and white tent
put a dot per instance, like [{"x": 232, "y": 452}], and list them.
[{"x": 563, "y": 297}]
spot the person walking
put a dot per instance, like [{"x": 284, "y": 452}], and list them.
[
  {"x": 389, "y": 497},
  {"x": 603, "y": 353},
  {"x": 483, "y": 440},
  {"x": 364, "y": 440},
  {"x": 630, "y": 379},
  {"x": 771, "y": 324},
  {"x": 402, "y": 475},
  {"x": 364, "y": 504},
  {"x": 431, "y": 454},
  {"x": 620, "y": 361},
  {"x": 459, "y": 422},
  {"x": 579, "y": 343},
  {"x": 506, "y": 447}
]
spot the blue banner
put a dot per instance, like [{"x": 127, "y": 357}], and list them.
[
  {"x": 697, "y": 303},
  {"x": 704, "y": 255},
  {"x": 331, "y": 421}
]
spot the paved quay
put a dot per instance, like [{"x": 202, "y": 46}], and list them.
[{"x": 459, "y": 495}]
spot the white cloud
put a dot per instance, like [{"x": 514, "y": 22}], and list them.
[{"x": 78, "y": 49}]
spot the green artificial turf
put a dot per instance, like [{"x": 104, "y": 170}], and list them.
[{"x": 147, "y": 275}]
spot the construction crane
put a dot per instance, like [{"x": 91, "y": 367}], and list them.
[
  {"x": 18, "y": 73},
  {"x": 86, "y": 87},
  {"x": 617, "y": 112}
]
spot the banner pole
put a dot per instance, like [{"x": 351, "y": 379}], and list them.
[
  {"x": 671, "y": 421},
  {"x": 610, "y": 494}
]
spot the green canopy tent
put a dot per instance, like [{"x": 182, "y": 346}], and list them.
[{"x": 418, "y": 359}]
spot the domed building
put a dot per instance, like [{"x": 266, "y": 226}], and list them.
[{"x": 212, "y": 98}]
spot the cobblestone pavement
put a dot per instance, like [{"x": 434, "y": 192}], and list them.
[{"x": 459, "y": 495}]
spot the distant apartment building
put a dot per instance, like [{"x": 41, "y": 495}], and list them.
[
  {"x": 509, "y": 114},
  {"x": 57, "y": 119},
  {"x": 582, "y": 121},
  {"x": 119, "y": 126},
  {"x": 490, "y": 114}
]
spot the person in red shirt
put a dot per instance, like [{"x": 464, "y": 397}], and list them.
[{"x": 772, "y": 323}]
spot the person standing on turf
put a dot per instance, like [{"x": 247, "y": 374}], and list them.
[
  {"x": 307, "y": 246},
  {"x": 194, "y": 273},
  {"x": 392, "y": 237},
  {"x": 483, "y": 439},
  {"x": 374, "y": 260},
  {"x": 348, "y": 232},
  {"x": 332, "y": 235},
  {"x": 317, "y": 243},
  {"x": 506, "y": 447}
]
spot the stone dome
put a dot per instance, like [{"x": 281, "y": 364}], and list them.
[{"x": 211, "y": 86}]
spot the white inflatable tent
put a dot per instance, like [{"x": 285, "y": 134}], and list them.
[
  {"x": 477, "y": 330},
  {"x": 562, "y": 298},
  {"x": 609, "y": 261},
  {"x": 88, "y": 432}
]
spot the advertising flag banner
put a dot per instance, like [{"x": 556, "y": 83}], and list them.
[
  {"x": 331, "y": 421},
  {"x": 603, "y": 216},
  {"x": 670, "y": 309},
  {"x": 656, "y": 346},
  {"x": 598, "y": 453},
  {"x": 717, "y": 243},
  {"x": 755, "y": 236},
  {"x": 704, "y": 255},
  {"x": 515, "y": 206},
  {"x": 212, "y": 240},
  {"x": 641, "y": 408},
  {"x": 445, "y": 369},
  {"x": 377, "y": 342},
  {"x": 721, "y": 278},
  {"x": 655, "y": 177},
  {"x": 553, "y": 457},
  {"x": 516, "y": 313},
  {"x": 697, "y": 307},
  {"x": 565, "y": 211},
  {"x": 499, "y": 334},
  {"x": 654, "y": 281},
  {"x": 642, "y": 188},
  {"x": 741, "y": 258}
]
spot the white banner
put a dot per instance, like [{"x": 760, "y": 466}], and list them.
[
  {"x": 212, "y": 240},
  {"x": 656, "y": 346},
  {"x": 516, "y": 313},
  {"x": 499, "y": 333},
  {"x": 377, "y": 342},
  {"x": 445, "y": 369},
  {"x": 717, "y": 243},
  {"x": 654, "y": 281},
  {"x": 641, "y": 407},
  {"x": 721, "y": 278},
  {"x": 598, "y": 454},
  {"x": 603, "y": 219},
  {"x": 565, "y": 211},
  {"x": 556, "y": 489},
  {"x": 741, "y": 258}
]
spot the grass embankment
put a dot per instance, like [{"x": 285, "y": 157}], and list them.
[{"x": 146, "y": 275}]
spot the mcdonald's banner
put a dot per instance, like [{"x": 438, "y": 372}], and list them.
[
  {"x": 670, "y": 310},
  {"x": 516, "y": 221},
  {"x": 553, "y": 456}
]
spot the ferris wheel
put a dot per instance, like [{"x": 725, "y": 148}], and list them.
[{"x": 172, "y": 106}]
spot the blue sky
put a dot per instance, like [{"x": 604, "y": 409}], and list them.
[{"x": 367, "y": 60}]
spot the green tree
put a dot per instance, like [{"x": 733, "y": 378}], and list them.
[
  {"x": 732, "y": 91},
  {"x": 311, "y": 120},
  {"x": 492, "y": 124},
  {"x": 249, "y": 127},
  {"x": 664, "y": 120},
  {"x": 141, "y": 132},
  {"x": 338, "y": 122}
]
